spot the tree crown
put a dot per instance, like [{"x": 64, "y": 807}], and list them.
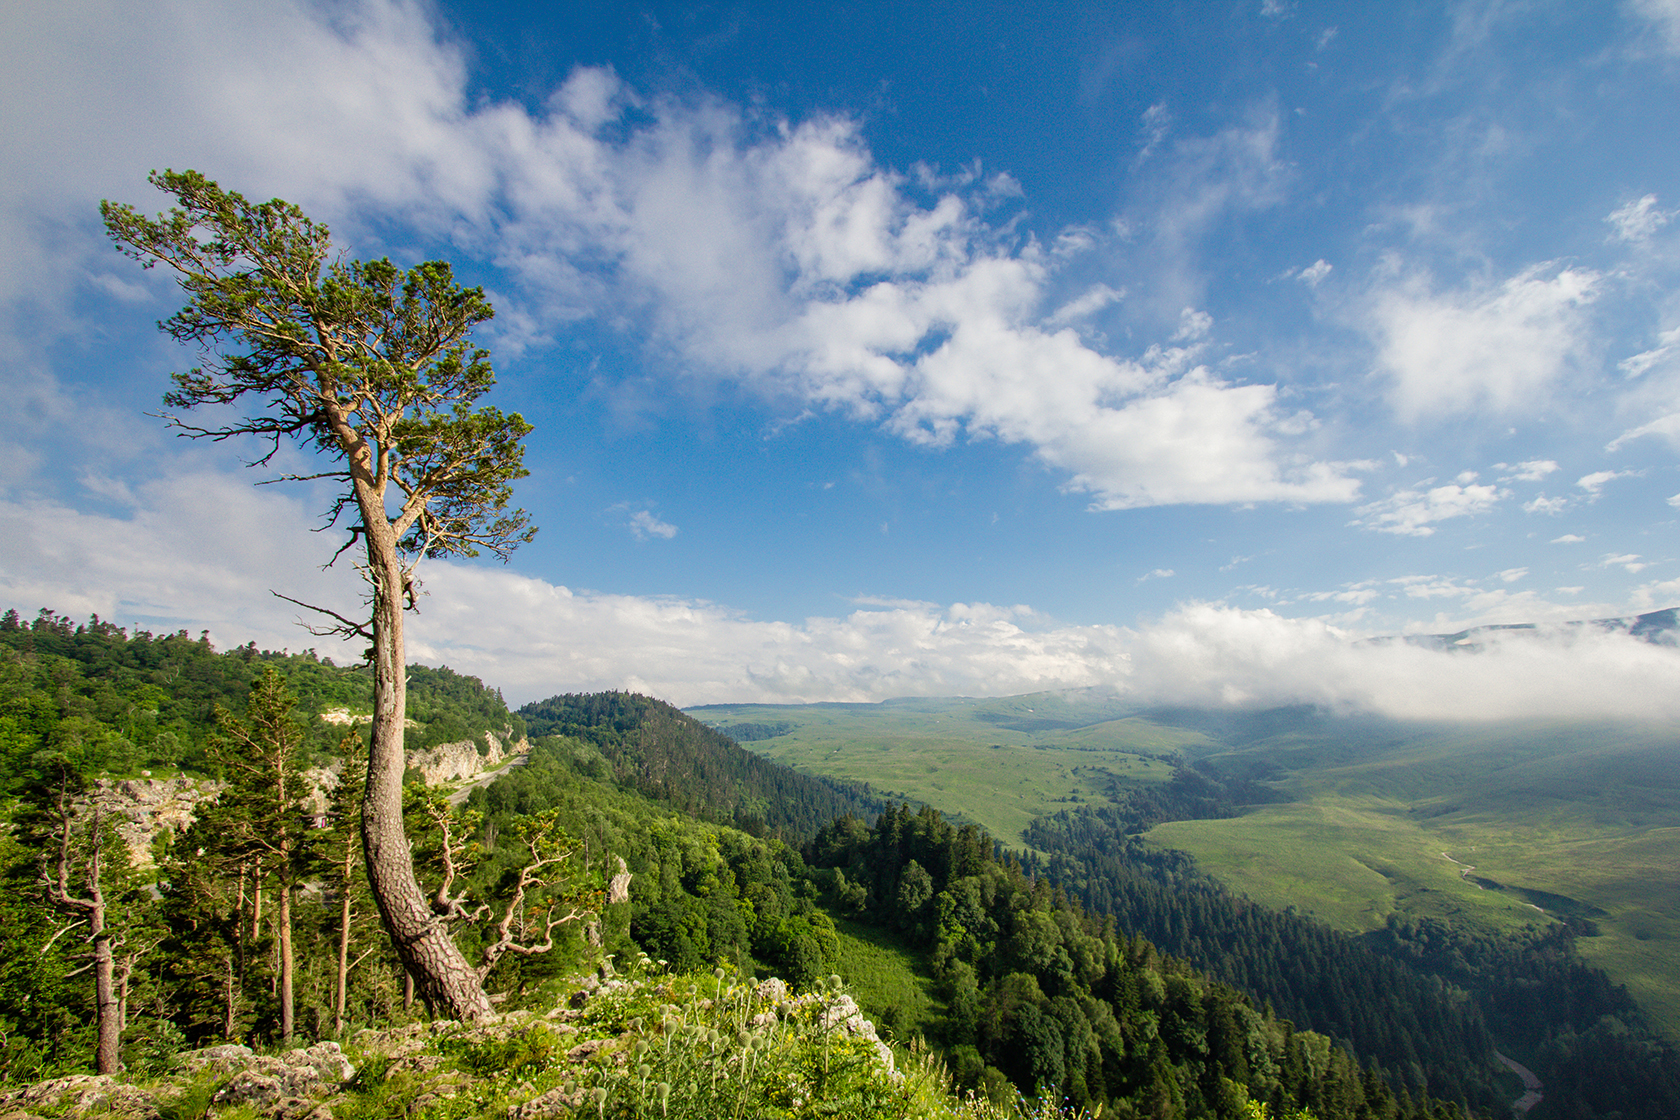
[{"x": 372, "y": 364}]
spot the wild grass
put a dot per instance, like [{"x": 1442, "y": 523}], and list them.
[
  {"x": 720, "y": 1047},
  {"x": 888, "y": 980},
  {"x": 944, "y": 752}
]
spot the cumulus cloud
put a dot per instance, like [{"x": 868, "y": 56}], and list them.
[
  {"x": 770, "y": 252},
  {"x": 1414, "y": 512},
  {"x": 538, "y": 639},
  {"x": 1214, "y": 655},
  {"x": 541, "y": 639},
  {"x": 199, "y": 550},
  {"x": 1501, "y": 348}
]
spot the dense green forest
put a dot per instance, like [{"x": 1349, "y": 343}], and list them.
[
  {"x": 674, "y": 758},
  {"x": 617, "y": 836},
  {"x": 1038, "y": 991},
  {"x": 1428, "y": 1001},
  {"x": 128, "y": 702}
]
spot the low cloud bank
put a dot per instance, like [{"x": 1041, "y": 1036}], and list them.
[
  {"x": 536, "y": 639},
  {"x": 202, "y": 552},
  {"x": 1212, "y": 655}
]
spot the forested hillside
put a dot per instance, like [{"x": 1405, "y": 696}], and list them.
[
  {"x": 126, "y": 702},
  {"x": 673, "y": 757},
  {"x": 1041, "y": 992},
  {"x": 1428, "y": 1001},
  {"x": 253, "y": 924}
]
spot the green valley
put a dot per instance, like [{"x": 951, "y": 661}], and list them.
[
  {"x": 1492, "y": 824},
  {"x": 997, "y": 763}
]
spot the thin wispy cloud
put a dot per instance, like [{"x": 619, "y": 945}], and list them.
[
  {"x": 1415, "y": 512},
  {"x": 645, "y": 525}
]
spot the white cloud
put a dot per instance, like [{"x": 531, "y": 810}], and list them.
[
  {"x": 1595, "y": 482},
  {"x": 1158, "y": 573},
  {"x": 1629, "y": 562},
  {"x": 1664, "y": 15},
  {"x": 1657, "y": 594},
  {"x": 1414, "y": 512},
  {"x": 1511, "y": 575},
  {"x": 1192, "y": 325},
  {"x": 1542, "y": 504},
  {"x": 1092, "y": 300},
  {"x": 1642, "y": 363},
  {"x": 770, "y": 252},
  {"x": 535, "y": 639},
  {"x": 1668, "y": 427},
  {"x": 1531, "y": 471},
  {"x": 1502, "y": 349},
  {"x": 201, "y": 551},
  {"x": 1215, "y": 655},
  {"x": 1155, "y": 123},
  {"x": 1568, "y": 538},
  {"x": 644, "y": 525},
  {"x": 1638, "y": 220},
  {"x": 1314, "y": 273},
  {"x": 197, "y": 550}
]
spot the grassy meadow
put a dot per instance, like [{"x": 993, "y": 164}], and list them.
[
  {"x": 996, "y": 763},
  {"x": 1385, "y": 817},
  {"x": 1580, "y": 819}
]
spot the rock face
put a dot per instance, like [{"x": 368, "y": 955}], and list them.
[
  {"x": 463, "y": 761},
  {"x": 146, "y": 806},
  {"x": 287, "y": 1086}
]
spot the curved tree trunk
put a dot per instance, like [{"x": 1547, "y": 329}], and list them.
[{"x": 442, "y": 976}]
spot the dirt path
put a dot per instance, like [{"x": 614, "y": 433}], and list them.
[
  {"x": 1533, "y": 1095},
  {"x": 1464, "y": 870}
]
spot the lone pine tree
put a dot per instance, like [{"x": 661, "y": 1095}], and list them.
[{"x": 374, "y": 367}]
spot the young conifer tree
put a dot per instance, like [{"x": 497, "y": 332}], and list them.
[
  {"x": 374, "y": 368},
  {"x": 266, "y": 823}
]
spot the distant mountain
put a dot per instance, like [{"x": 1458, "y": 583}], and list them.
[{"x": 1657, "y": 627}]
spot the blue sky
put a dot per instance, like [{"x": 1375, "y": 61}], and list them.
[{"x": 964, "y": 349}]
